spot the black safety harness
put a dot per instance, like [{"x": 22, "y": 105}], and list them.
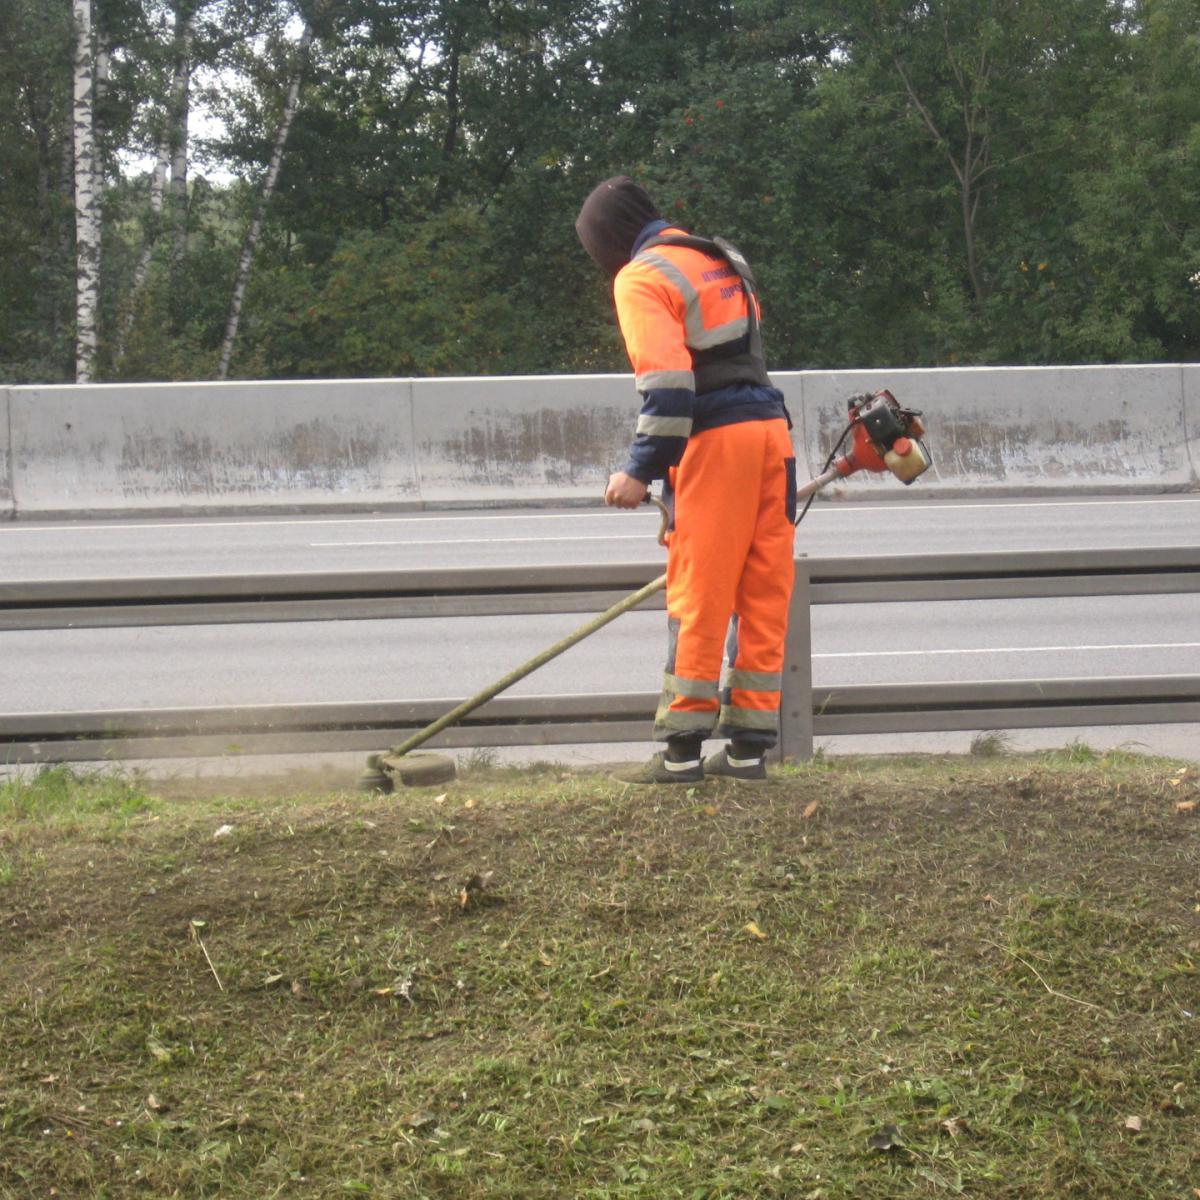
[{"x": 741, "y": 360}]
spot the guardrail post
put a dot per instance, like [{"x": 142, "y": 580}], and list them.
[{"x": 795, "y": 701}]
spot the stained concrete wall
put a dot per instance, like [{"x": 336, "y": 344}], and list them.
[
  {"x": 520, "y": 439},
  {"x": 6, "y": 494},
  {"x": 1023, "y": 428},
  {"x": 400, "y": 443},
  {"x": 1191, "y": 416},
  {"x": 212, "y": 447}
]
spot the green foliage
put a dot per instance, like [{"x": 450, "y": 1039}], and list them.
[
  {"x": 36, "y": 232},
  {"x": 174, "y": 321},
  {"x": 403, "y": 301},
  {"x": 1134, "y": 225},
  {"x": 60, "y": 794},
  {"x": 946, "y": 182}
]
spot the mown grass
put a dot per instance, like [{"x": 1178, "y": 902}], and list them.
[{"x": 915, "y": 977}]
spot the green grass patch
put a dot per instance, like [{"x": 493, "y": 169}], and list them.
[
  {"x": 65, "y": 796},
  {"x": 880, "y": 978}
]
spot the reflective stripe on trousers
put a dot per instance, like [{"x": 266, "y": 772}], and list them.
[
  {"x": 749, "y": 699},
  {"x": 729, "y": 573}
]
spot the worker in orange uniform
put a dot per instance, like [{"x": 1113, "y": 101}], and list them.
[{"x": 715, "y": 430}]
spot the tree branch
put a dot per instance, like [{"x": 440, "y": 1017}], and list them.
[{"x": 927, "y": 116}]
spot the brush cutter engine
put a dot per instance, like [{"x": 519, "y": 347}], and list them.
[
  {"x": 883, "y": 437},
  {"x": 886, "y": 437}
]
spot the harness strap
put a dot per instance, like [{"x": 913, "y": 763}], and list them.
[{"x": 720, "y": 248}]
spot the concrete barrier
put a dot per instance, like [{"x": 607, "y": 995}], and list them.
[
  {"x": 1028, "y": 429},
  {"x": 400, "y": 443},
  {"x": 1191, "y": 416},
  {"x": 519, "y": 439},
  {"x": 6, "y": 490},
  {"x": 208, "y": 447}
]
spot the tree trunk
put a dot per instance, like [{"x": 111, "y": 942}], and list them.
[
  {"x": 87, "y": 205},
  {"x": 255, "y": 231},
  {"x": 158, "y": 191},
  {"x": 969, "y": 202},
  {"x": 170, "y": 162},
  {"x": 178, "y": 125},
  {"x": 450, "y": 140},
  {"x": 974, "y": 165},
  {"x": 102, "y": 77}
]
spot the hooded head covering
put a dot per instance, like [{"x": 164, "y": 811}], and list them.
[{"x": 610, "y": 220}]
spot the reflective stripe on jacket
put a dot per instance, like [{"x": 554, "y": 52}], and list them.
[{"x": 680, "y": 309}]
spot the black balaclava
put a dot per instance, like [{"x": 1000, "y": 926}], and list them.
[{"x": 610, "y": 220}]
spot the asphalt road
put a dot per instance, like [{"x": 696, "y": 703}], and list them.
[
  {"x": 239, "y": 545},
  {"x": 62, "y": 670}
]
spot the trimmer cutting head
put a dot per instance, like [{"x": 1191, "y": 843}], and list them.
[{"x": 384, "y": 771}]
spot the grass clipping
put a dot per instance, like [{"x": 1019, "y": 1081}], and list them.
[{"x": 882, "y": 978}]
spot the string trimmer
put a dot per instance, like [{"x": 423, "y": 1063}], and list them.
[{"x": 886, "y": 438}]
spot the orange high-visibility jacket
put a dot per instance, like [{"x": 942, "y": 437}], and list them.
[{"x": 685, "y": 317}]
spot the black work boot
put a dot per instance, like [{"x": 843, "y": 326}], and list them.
[
  {"x": 746, "y": 763},
  {"x": 679, "y": 763}
]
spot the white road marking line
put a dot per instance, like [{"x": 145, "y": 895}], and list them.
[
  {"x": 165, "y": 524},
  {"x": 531, "y": 541},
  {"x": 165, "y": 527},
  {"x": 855, "y": 506},
  {"x": 969, "y": 506},
  {"x": 1008, "y": 650}
]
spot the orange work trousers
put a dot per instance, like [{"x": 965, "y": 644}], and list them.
[{"x": 729, "y": 582}]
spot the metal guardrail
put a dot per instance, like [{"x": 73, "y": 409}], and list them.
[
  {"x": 495, "y": 591},
  {"x": 333, "y": 596}
]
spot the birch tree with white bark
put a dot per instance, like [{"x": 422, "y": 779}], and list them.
[
  {"x": 170, "y": 168},
  {"x": 178, "y": 130},
  {"x": 87, "y": 198},
  {"x": 254, "y": 232}
]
